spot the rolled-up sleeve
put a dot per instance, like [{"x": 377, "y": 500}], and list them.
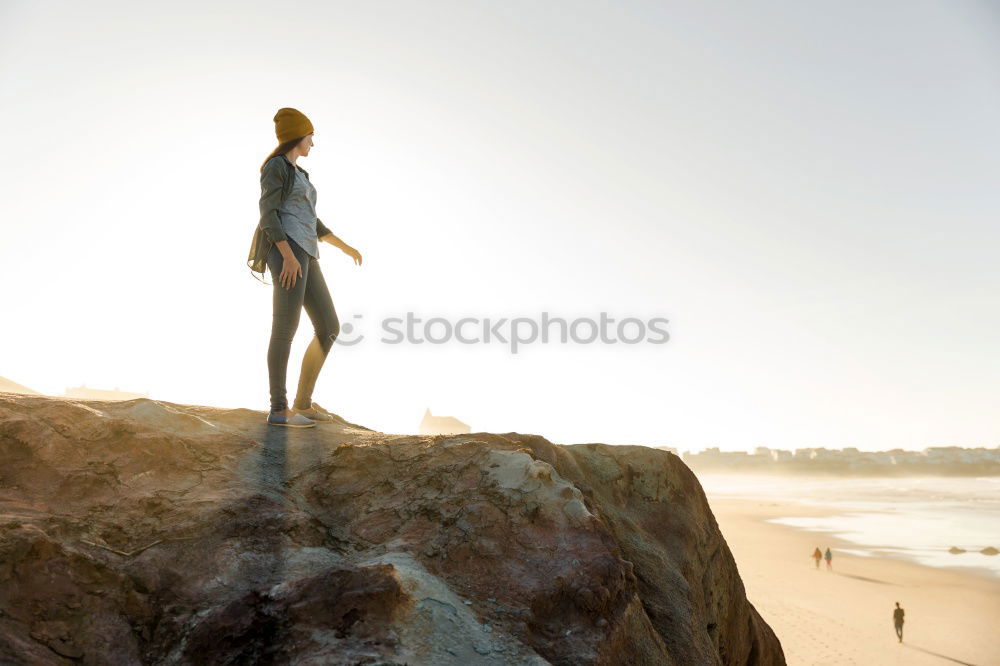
[
  {"x": 321, "y": 229},
  {"x": 271, "y": 182}
]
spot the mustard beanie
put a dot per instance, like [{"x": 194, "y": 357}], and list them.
[{"x": 291, "y": 124}]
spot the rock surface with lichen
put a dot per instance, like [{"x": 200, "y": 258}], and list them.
[{"x": 150, "y": 532}]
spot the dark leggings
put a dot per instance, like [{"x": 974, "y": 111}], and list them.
[{"x": 310, "y": 291}]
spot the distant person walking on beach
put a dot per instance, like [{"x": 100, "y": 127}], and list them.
[
  {"x": 817, "y": 555},
  {"x": 897, "y": 619},
  {"x": 829, "y": 558},
  {"x": 286, "y": 241}
]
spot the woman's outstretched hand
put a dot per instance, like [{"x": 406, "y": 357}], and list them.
[
  {"x": 354, "y": 254},
  {"x": 291, "y": 270},
  {"x": 332, "y": 239}
]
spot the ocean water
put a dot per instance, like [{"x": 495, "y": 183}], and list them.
[{"x": 913, "y": 518}]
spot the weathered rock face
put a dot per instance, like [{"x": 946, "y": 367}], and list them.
[{"x": 151, "y": 532}]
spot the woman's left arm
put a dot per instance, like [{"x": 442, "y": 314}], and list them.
[
  {"x": 324, "y": 234},
  {"x": 321, "y": 229}
]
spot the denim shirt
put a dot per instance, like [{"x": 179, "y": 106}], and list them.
[
  {"x": 298, "y": 214},
  {"x": 276, "y": 182}
]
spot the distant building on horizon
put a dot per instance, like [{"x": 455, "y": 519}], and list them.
[
  {"x": 85, "y": 393},
  {"x": 442, "y": 425}
]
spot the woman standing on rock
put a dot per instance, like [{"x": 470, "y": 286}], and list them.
[{"x": 287, "y": 242}]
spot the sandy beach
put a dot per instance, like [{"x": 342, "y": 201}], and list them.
[{"x": 844, "y": 616}]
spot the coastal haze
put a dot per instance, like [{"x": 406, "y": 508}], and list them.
[{"x": 807, "y": 196}]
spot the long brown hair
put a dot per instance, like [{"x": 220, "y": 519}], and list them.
[{"x": 282, "y": 149}]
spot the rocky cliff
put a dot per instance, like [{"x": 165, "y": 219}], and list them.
[{"x": 149, "y": 532}]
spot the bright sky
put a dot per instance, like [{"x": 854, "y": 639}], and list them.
[{"x": 809, "y": 196}]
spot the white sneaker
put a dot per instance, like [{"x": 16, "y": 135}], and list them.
[{"x": 316, "y": 413}]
